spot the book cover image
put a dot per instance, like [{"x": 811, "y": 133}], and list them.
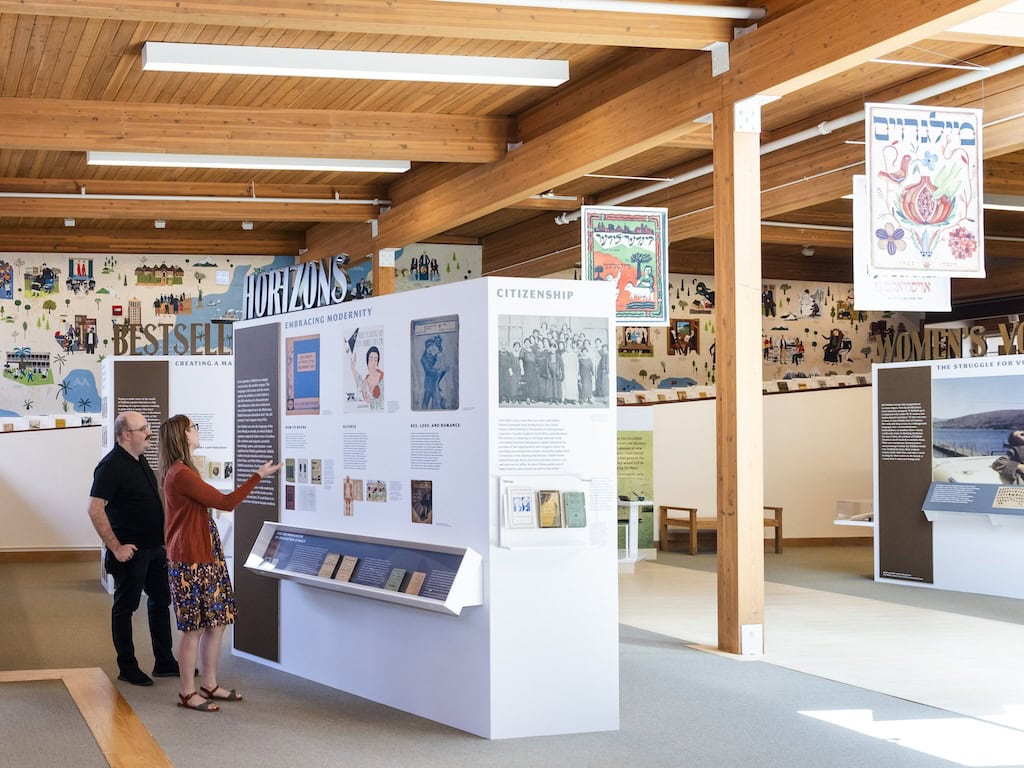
[
  {"x": 329, "y": 565},
  {"x": 434, "y": 363},
  {"x": 395, "y": 578},
  {"x": 415, "y": 583},
  {"x": 522, "y": 507},
  {"x": 549, "y": 503},
  {"x": 422, "y": 496},
  {"x": 302, "y": 363},
  {"x": 289, "y": 497},
  {"x": 376, "y": 490},
  {"x": 289, "y": 470},
  {"x": 216, "y": 469},
  {"x": 302, "y": 471},
  {"x": 363, "y": 373},
  {"x": 345, "y": 568},
  {"x": 316, "y": 471},
  {"x": 574, "y": 506}
]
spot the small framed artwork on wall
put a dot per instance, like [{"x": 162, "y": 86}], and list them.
[{"x": 683, "y": 337}]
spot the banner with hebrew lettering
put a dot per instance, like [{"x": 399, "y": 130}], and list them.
[
  {"x": 628, "y": 247},
  {"x": 924, "y": 195}
]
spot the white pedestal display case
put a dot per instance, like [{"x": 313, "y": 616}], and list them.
[{"x": 419, "y": 425}]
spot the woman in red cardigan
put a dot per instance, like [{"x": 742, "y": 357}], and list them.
[{"x": 204, "y": 602}]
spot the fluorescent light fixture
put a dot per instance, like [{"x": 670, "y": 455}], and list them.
[
  {"x": 930, "y": 65},
  {"x": 69, "y": 222},
  {"x": 159, "y": 224},
  {"x": 1003, "y": 203},
  {"x": 249, "y": 162},
  {"x": 247, "y": 226},
  {"x": 630, "y": 6},
  {"x": 352, "y": 65}
]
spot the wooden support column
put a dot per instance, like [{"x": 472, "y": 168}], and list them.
[
  {"x": 738, "y": 377},
  {"x": 384, "y": 272}
]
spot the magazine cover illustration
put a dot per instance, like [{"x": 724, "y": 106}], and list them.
[
  {"x": 363, "y": 371},
  {"x": 302, "y": 361},
  {"x": 435, "y": 363}
]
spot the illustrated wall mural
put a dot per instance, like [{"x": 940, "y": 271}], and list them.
[
  {"x": 60, "y": 315},
  {"x": 808, "y": 329}
]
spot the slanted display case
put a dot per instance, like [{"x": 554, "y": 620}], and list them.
[{"x": 433, "y": 578}]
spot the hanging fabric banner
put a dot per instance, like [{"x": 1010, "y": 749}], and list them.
[
  {"x": 924, "y": 196},
  {"x": 628, "y": 247}
]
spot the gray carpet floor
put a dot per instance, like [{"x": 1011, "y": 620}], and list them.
[{"x": 679, "y": 707}]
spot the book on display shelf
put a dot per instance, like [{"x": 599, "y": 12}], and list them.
[
  {"x": 346, "y": 568},
  {"x": 522, "y": 507},
  {"x": 549, "y": 504},
  {"x": 574, "y": 507},
  {"x": 329, "y": 565},
  {"x": 415, "y": 583},
  {"x": 395, "y": 578}
]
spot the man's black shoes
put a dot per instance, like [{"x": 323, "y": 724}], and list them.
[
  {"x": 135, "y": 677},
  {"x": 166, "y": 670}
]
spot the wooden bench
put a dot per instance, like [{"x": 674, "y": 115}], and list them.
[{"x": 670, "y": 518}]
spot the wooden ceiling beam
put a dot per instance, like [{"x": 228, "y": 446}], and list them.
[
  {"x": 779, "y": 234},
  {"x": 822, "y": 38},
  {"x": 95, "y": 207},
  {"x": 171, "y": 241},
  {"x": 418, "y": 18},
  {"x": 323, "y": 240},
  {"x": 72, "y": 125},
  {"x": 190, "y": 188}
]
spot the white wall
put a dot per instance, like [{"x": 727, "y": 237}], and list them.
[
  {"x": 818, "y": 449},
  {"x": 45, "y": 477}
]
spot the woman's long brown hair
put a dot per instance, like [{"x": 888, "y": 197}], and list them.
[{"x": 174, "y": 443}]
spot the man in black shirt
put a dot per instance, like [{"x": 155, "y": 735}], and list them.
[{"x": 127, "y": 513}]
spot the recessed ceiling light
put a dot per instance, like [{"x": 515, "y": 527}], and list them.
[
  {"x": 69, "y": 222},
  {"x": 247, "y": 226},
  {"x": 350, "y": 65},
  {"x": 159, "y": 223},
  {"x": 248, "y": 162}
]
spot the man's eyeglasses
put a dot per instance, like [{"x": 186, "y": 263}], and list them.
[{"x": 143, "y": 428}]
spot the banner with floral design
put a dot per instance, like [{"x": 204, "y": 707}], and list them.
[
  {"x": 628, "y": 247},
  {"x": 883, "y": 289},
  {"x": 924, "y": 197}
]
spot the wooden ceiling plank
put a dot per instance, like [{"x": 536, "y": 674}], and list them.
[
  {"x": 67, "y": 125},
  {"x": 88, "y": 32},
  {"x": 411, "y": 17},
  {"x": 53, "y": 57},
  {"x": 128, "y": 68},
  {"x": 18, "y": 53},
  {"x": 34, "y": 55}
]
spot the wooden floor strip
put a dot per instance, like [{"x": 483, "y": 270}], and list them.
[{"x": 121, "y": 736}]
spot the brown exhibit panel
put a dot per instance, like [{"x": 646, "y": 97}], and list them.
[
  {"x": 257, "y": 432},
  {"x": 903, "y": 419}
]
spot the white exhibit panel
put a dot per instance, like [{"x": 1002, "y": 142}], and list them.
[
  {"x": 949, "y": 508},
  {"x": 396, "y": 445}
]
